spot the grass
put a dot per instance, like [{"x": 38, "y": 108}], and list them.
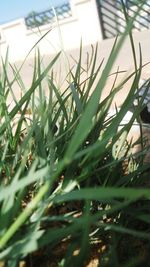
[{"x": 69, "y": 176}]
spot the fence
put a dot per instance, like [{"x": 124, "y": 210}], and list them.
[
  {"x": 41, "y": 18},
  {"x": 113, "y": 20}
]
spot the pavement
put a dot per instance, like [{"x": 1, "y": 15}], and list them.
[{"x": 124, "y": 62}]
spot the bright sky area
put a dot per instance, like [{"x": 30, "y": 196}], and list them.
[{"x": 14, "y": 9}]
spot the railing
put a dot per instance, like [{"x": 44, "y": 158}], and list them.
[
  {"x": 112, "y": 17},
  {"x": 38, "y": 19}
]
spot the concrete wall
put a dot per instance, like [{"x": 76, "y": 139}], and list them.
[{"x": 84, "y": 23}]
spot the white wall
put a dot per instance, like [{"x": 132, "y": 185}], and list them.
[{"x": 84, "y": 23}]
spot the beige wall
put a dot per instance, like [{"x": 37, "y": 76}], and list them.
[{"x": 84, "y": 23}]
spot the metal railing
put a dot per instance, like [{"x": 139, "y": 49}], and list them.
[
  {"x": 112, "y": 17},
  {"x": 38, "y": 19}
]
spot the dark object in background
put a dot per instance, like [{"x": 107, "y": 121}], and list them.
[{"x": 145, "y": 115}]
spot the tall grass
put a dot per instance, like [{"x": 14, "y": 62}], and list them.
[{"x": 63, "y": 178}]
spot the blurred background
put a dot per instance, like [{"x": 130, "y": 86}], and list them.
[{"x": 63, "y": 24}]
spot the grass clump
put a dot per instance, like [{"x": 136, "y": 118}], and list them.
[{"x": 71, "y": 187}]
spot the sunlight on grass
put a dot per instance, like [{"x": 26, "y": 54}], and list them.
[{"x": 68, "y": 170}]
